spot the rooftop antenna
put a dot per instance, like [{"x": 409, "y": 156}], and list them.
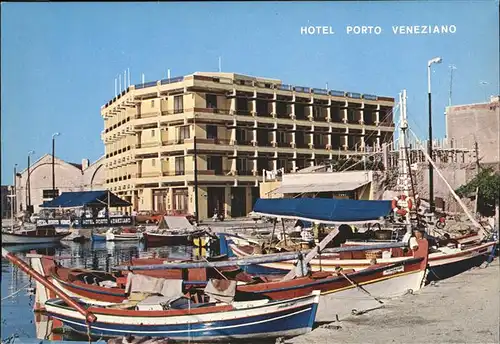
[
  {"x": 168, "y": 74},
  {"x": 452, "y": 68},
  {"x": 124, "y": 79},
  {"x": 326, "y": 86},
  {"x": 220, "y": 64},
  {"x": 143, "y": 78},
  {"x": 128, "y": 74},
  {"x": 120, "y": 78}
]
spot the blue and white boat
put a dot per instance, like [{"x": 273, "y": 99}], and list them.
[{"x": 187, "y": 321}]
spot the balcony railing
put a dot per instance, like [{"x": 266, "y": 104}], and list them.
[
  {"x": 243, "y": 112},
  {"x": 147, "y": 145},
  {"x": 213, "y": 110},
  {"x": 216, "y": 141},
  {"x": 244, "y": 172},
  {"x": 173, "y": 142},
  {"x": 148, "y": 174},
  {"x": 147, "y": 114},
  {"x": 243, "y": 143},
  {"x": 301, "y": 145},
  {"x": 283, "y": 144}
]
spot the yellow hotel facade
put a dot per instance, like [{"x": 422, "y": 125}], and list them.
[{"x": 243, "y": 125}]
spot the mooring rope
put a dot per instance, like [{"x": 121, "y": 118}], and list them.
[{"x": 16, "y": 292}]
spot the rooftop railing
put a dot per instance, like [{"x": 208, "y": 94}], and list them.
[
  {"x": 320, "y": 91},
  {"x": 369, "y": 97},
  {"x": 172, "y": 80},
  {"x": 285, "y": 87},
  {"x": 337, "y": 93},
  {"x": 354, "y": 95}
]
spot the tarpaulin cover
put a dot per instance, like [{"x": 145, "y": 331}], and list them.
[
  {"x": 324, "y": 210},
  {"x": 86, "y": 198}
]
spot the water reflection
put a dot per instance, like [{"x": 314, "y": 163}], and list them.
[{"x": 17, "y": 300}]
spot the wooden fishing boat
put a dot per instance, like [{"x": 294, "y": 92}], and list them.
[
  {"x": 171, "y": 231},
  {"x": 185, "y": 320},
  {"x": 104, "y": 288},
  {"x": 116, "y": 234},
  {"x": 341, "y": 291},
  {"x": 444, "y": 262},
  {"x": 171, "y": 238},
  {"x": 123, "y": 234},
  {"x": 33, "y": 236}
]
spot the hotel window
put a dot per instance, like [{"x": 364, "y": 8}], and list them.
[
  {"x": 184, "y": 132},
  {"x": 211, "y": 101},
  {"x": 153, "y": 162},
  {"x": 281, "y": 136},
  {"x": 152, "y": 103},
  {"x": 317, "y": 111},
  {"x": 211, "y": 131},
  {"x": 179, "y": 165},
  {"x": 178, "y": 104},
  {"x": 351, "y": 115},
  {"x": 240, "y": 136},
  {"x": 242, "y": 165},
  {"x": 152, "y": 133}
]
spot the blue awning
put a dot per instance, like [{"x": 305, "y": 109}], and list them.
[
  {"x": 324, "y": 210},
  {"x": 97, "y": 199}
]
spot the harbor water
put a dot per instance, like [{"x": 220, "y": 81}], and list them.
[{"x": 18, "y": 318}]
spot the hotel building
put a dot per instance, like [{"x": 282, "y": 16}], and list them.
[{"x": 242, "y": 126}]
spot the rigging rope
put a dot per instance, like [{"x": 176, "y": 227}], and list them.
[{"x": 16, "y": 292}]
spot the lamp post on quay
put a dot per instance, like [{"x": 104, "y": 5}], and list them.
[
  {"x": 436, "y": 60},
  {"x": 28, "y": 190},
  {"x": 13, "y": 200},
  {"x": 53, "y": 164}
]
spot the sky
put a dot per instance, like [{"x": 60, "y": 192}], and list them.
[{"x": 59, "y": 60}]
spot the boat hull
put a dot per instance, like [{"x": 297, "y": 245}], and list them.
[
  {"x": 154, "y": 239},
  {"x": 218, "y": 323},
  {"x": 19, "y": 239},
  {"x": 446, "y": 266},
  {"x": 98, "y": 237},
  {"x": 123, "y": 237}
]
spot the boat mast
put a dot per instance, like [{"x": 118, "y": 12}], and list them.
[{"x": 403, "y": 182}]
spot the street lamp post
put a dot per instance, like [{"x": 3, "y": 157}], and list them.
[
  {"x": 429, "y": 146},
  {"x": 53, "y": 164},
  {"x": 196, "y": 210},
  {"x": 14, "y": 200},
  {"x": 28, "y": 190}
]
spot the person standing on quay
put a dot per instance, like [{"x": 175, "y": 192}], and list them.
[{"x": 134, "y": 216}]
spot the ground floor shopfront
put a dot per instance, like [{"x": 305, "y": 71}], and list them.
[{"x": 230, "y": 201}]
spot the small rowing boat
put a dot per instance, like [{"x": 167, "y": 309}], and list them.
[
  {"x": 185, "y": 320},
  {"x": 33, "y": 236}
]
